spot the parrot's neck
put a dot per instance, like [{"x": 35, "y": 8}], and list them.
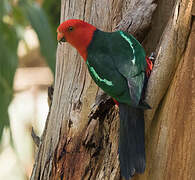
[{"x": 83, "y": 52}]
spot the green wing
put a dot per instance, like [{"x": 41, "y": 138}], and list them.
[
  {"x": 130, "y": 63},
  {"x": 119, "y": 58}
]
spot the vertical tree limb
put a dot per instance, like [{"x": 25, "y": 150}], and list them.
[
  {"x": 169, "y": 52},
  {"x": 170, "y": 147}
]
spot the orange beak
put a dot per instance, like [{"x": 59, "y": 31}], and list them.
[{"x": 60, "y": 37}]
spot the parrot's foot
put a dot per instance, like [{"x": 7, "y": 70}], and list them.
[
  {"x": 152, "y": 57},
  {"x": 150, "y": 62}
]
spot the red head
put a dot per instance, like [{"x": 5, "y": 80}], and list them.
[{"x": 78, "y": 33}]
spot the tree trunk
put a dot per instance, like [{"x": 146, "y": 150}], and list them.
[{"x": 80, "y": 140}]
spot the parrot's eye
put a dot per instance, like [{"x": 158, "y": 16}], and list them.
[{"x": 70, "y": 28}]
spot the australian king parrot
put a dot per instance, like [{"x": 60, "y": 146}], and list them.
[{"x": 118, "y": 64}]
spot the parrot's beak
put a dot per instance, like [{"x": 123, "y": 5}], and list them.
[{"x": 61, "y": 38}]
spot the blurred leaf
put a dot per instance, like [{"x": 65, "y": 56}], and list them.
[
  {"x": 39, "y": 22},
  {"x": 18, "y": 17},
  {"x": 14, "y": 18},
  {"x": 52, "y": 8},
  {"x": 5, "y": 7},
  {"x": 8, "y": 64}
]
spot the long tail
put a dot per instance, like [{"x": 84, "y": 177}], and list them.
[{"x": 131, "y": 141}]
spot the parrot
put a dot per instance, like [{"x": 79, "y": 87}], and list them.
[{"x": 118, "y": 64}]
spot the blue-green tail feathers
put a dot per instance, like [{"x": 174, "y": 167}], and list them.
[{"x": 131, "y": 141}]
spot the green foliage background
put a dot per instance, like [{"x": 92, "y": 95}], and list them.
[{"x": 14, "y": 17}]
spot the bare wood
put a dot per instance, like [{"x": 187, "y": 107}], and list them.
[
  {"x": 71, "y": 105},
  {"x": 169, "y": 52},
  {"x": 193, "y": 9},
  {"x": 171, "y": 153},
  {"x": 35, "y": 138},
  {"x": 138, "y": 18}
]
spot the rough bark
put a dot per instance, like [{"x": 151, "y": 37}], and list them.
[
  {"x": 171, "y": 137},
  {"x": 79, "y": 140},
  {"x": 168, "y": 54}
]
